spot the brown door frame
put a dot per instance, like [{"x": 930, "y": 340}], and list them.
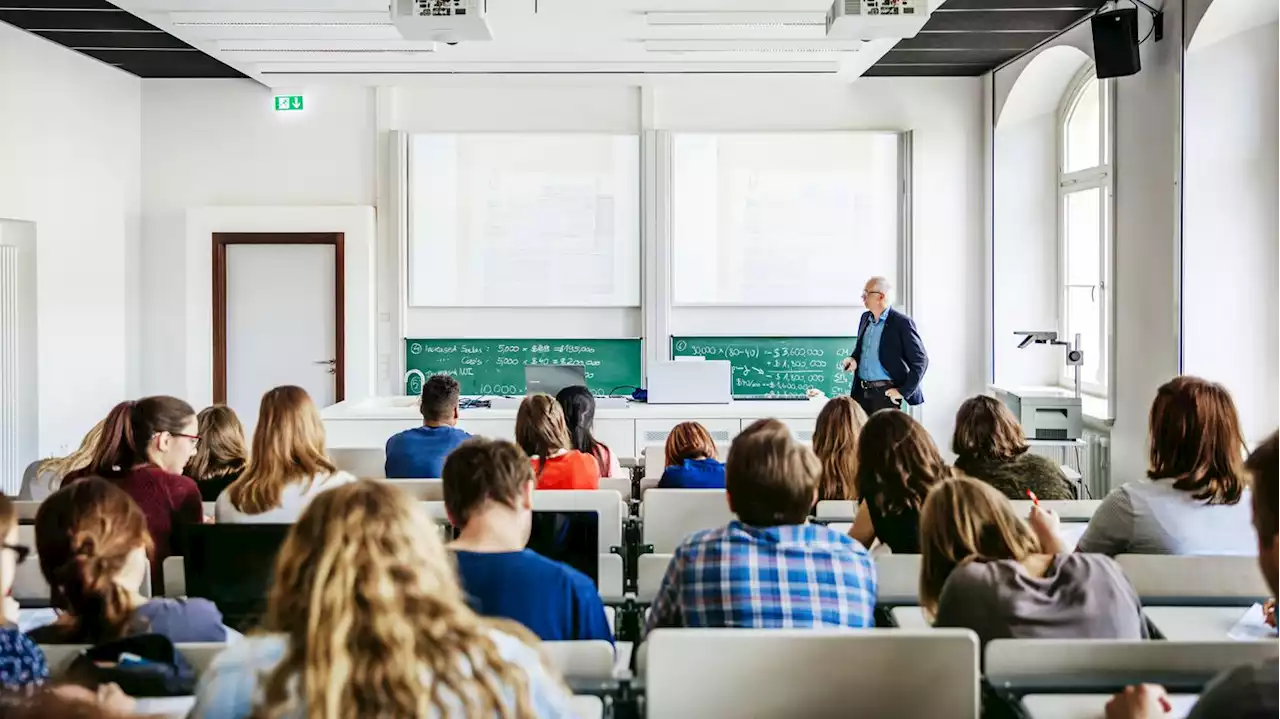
[{"x": 220, "y": 242}]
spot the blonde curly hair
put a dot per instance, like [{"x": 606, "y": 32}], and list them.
[{"x": 375, "y": 621}]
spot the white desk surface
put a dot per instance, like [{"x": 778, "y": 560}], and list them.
[
  {"x": 909, "y": 618},
  {"x": 1185, "y": 624},
  {"x": 175, "y": 707},
  {"x": 406, "y": 408},
  {"x": 1090, "y": 706}
]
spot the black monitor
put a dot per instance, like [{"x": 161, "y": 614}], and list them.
[{"x": 233, "y": 565}]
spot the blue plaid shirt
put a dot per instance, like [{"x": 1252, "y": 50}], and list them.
[{"x": 799, "y": 576}]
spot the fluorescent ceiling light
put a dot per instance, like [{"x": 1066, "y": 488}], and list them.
[
  {"x": 291, "y": 45},
  {"x": 752, "y": 45},
  {"x": 278, "y": 19},
  {"x": 750, "y": 19}
]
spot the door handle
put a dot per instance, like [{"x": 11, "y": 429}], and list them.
[{"x": 330, "y": 362}]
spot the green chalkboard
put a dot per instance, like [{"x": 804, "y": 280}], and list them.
[
  {"x": 775, "y": 365},
  {"x": 496, "y": 366}
]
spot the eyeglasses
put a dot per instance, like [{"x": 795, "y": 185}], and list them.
[
  {"x": 873, "y": 292},
  {"x": 193, "y": 437},
  {"x": 21, "y": 551}
]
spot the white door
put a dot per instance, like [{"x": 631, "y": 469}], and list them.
[{"x": 280, "y": 323}]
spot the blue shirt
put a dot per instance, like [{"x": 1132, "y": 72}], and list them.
[
  {"x": 869, "y": 367},
  {"x": 553, "y": 600},
  {"x": 22, "y": 663},
  {"x": 793, "y": 576},
  {"x": 693, "y": 474},
  {"x": 229, "y": 687},
  {"x": 419, "y": 453}
]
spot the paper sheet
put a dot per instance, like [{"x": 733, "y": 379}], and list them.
[{"x": 1252, "y": 626}]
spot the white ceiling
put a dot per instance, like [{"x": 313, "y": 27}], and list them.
[{"x": 284, "y": 42}]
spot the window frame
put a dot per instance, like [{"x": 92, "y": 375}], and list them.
[{"x": 1099, "y": 177}]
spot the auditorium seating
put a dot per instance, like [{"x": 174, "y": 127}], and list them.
[
  {"x": 670, "y": 515},
  {"x": 1194, "y": 580},
  {"x": 365, "y": 463}
]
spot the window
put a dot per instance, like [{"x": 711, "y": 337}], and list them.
[{"x": 1084, "y": 228}]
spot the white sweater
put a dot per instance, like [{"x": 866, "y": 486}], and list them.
[{"x": 293, "y": 501}]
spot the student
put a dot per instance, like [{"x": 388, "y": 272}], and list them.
[
  {"x": 1195, "y": 500},
  {"x": 1249, "y": 690},
  {"x": 419, "y": 453},
  {"x": 22, "y": 664},
  {"x": 43, "y": 478},
  {"x": 288, "y": 466},
  {"x": 92, "y": 543},
  {"x": 835, "y": 441},
  {"x": 488, "y": 492},
  {"x": 768, "y": 568},
  {"x": 365, "y": 618},
  {"x": 542, "y": 433},
  {"x": 983, "y": 568},
  {"x": 691, "y": 461},
  {"x": 144, "y": 447},
  {"x": 221, "y": 456},
  {"x": 897, "y": 465},
  {"x": 990, "y": 446},
  {"x": 579, "y": 407}
]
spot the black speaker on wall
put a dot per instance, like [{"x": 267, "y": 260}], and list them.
[{"x": 1115, "y": 43}]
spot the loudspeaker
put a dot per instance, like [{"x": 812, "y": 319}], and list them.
[{"x": 1115, "y": 43}]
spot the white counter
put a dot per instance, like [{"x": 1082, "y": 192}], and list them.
[{"x": 369, "y": 423}]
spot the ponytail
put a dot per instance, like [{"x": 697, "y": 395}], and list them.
[{"x": 128, "y": 430}]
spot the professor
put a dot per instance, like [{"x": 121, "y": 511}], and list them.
[{"x": 888, "y": 361}]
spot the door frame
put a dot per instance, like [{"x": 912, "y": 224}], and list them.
[{"x": 220, "y": 242}]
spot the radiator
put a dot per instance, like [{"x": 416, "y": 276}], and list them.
[
  {"x": 10, "y": 389},
  {"x": 1097, "y": 472}
]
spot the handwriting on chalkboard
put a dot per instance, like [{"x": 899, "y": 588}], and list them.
[
  {"x": 496, "y": 366},
  {"x": 776, "y": 365}
]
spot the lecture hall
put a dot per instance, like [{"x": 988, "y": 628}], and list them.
[{"x": 610, "y": 359}]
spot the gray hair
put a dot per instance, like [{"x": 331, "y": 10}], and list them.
[{"x": 881, "y": 284}]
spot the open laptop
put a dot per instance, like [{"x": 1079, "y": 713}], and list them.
[
  {"x": 233, "y": 565},
  {"x": 551, "y": 378}
]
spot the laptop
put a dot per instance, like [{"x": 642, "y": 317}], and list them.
[
  {"x": 551, "y": 378},
  {"x": 233, "y": 565}
]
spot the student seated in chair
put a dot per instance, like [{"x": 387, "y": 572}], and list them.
[
  {"x": 22, "y": 664},
  {"x": 579, "y": 407},
  {"x": 835, "y": 441},
  {"x": 983, "y": 568},
  {"x": 1246, "y": 691},
  {"x": 221, "y": 456},
  {"x": 990, "y": 446},
  {"x": 542, "y": 433},
  {"x": 898, "y": 464},
  {"x": 768, "y": 568},
  {"x": 1195, "y": 499},
  {"x": 488, "y": 492},
  {"x": 690, "y": 459},
  {"x": 366, "y": 619},
  {"x": 419, "y": 453},
  {"x": 92, "y": 543}
]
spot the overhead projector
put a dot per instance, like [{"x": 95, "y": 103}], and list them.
[
  {"x": 447, "y": 21},
  {"x": 876, "y": 19}
]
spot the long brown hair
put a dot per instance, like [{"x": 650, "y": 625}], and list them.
[
  {"x": 221, "y": 452},
  {"x": 688, "y": 440},
  {"x": 85, "y": 533},
  {"x": 986, "y": 430},
  {"x": 375, "y": 621},
  {"x": 127, "y": 432},
  {"x": 964, "y": 520},
  {"x": 1196, "y": 440},
  {"x": 897, "y": 463},
  {"x": 288, "y": 447},
  {"x": 540, "y": 428},
  {"x": 59, "y": 467},
  {"x": 835, "y": 441}
]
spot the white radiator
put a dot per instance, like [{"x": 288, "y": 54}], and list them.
[
  {"x": 10, "y": 386},
  {"x": 1098, "y": 456}
]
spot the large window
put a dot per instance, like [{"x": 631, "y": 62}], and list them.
[{"x": 1084, "y": 227}]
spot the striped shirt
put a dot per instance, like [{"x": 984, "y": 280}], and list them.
[{"x": 792, "y": 576}]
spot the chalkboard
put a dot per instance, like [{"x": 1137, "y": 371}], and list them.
[
  {"x": 496, "y": 366},
  {"x": 775, "y": 365}
]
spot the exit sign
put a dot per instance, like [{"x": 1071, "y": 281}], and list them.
[{"x": 288, "y": 103}]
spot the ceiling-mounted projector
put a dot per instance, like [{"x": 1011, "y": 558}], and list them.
[
  {"x": 876, "y": 19},
  {"x": 447, "y": 21}
]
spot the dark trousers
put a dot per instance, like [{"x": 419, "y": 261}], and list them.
[{"x": 873, "y": 399}]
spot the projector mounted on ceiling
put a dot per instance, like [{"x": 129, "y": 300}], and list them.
[
  {"x": 876, "y": 19},
  {"x": 447, "y": 21}
]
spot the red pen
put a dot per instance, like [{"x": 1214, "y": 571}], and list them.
[{"x": 1032, "y": 496}]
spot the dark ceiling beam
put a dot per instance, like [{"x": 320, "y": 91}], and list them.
[
  {"x": 973, "y": 41},
  {"x": 1003, "y": 20},
  {"x": 54, "y": 20}
]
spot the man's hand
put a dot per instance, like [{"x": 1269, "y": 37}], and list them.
[
  {"x": 893, "y": 394},
  {"x": 849, "y": 364},
  {"x": 1141, "y": 702}
]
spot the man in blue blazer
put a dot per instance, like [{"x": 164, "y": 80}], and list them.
[{"x": 888, "y": 360}]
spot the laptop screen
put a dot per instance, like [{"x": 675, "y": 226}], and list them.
[
  {"x": 550, "y": 379},
  {"x": 233, "y": 565}
]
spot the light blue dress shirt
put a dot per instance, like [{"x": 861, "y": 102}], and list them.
[
  {"x": 869, "y": 367},
  {"x": 232, "y": 685}
]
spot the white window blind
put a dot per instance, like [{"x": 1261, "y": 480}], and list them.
[
  {"x": 783, "y": 219},
  {"x": 524, "y": 220}
]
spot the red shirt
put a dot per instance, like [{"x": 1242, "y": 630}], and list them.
[
  {"x": 167, "y": 500},
  {"x": 571, "y": 470}
]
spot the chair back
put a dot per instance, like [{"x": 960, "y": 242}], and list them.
[
  {"x": 1069, "y": 510},
  {"x": 670, "y": 515},
  {"x": 423, "y": 490},
  {"x": 581, "y": 659},
  {"x": 897, "y": 579},
  {"x": 1195, "y": 580},
  {"x": 650, "y": 569},
  {"x": 835, "y": 510},
  {"x": 363, "y": 462}
]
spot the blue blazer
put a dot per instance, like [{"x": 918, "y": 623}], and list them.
[{"x": 901, "y": 352}]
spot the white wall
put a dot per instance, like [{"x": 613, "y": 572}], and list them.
[
  {"x": 1231, "y": 313},
  {"x": 217, "y": 143},
  {"x": 69, "y": 162}
]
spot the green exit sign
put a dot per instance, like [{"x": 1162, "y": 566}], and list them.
[{"x": 288, "y": 103}]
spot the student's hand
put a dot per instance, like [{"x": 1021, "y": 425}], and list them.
[
  {"x": 112, "y": 698},
  {"x": 10, "y": 610},
  {"x": 1140, "y": 702},
  {"x": 893, "y": 394},
  {"x": 1044, "y": 524},
  {"x": 1269, "y": 612},
  {"x": 849, "y": 364}
]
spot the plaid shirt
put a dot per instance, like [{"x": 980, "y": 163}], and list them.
[{"x": 764, "y": 577}]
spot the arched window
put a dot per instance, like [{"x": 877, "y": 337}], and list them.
[{"x": 1084, "y": 226}]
